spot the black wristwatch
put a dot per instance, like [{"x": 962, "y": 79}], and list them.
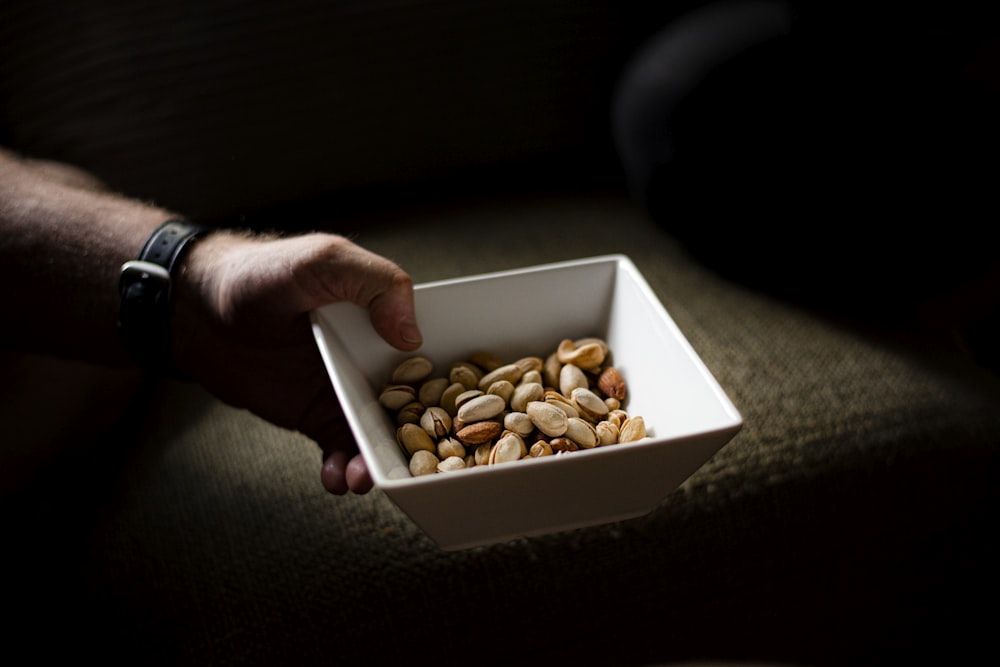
[{"x": 145, "y": 288}]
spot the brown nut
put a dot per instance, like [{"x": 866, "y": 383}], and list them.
[
  {"x": 396, "y": 396},
  {"x": 611, "y": 383},
  {"x": 479, "y": 432},
  {"x": 430, "y": 391},
  {"x": 436, "y": 421}
]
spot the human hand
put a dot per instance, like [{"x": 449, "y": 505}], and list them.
[{"x": 242, "y": 329}]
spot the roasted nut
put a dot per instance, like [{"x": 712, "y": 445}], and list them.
[
  {"x": 423, "y": 462},
  {"x": 465, "y": 397},
  {"x": 527, "y": 364},
  {"x": 540, "y": 448},
  {"x": 503, "y": 389},
  {"x": 611, "y": 383},
  {"x": 633, "y": 429},
  {"x": 396, "y": 396},
  {"x": 519, "y": 422},
  {"x": 570, "y": 377},
  {"x": 484, "y": 406},
  {"x": 585, "y": 353},
  {"x": 449, "y": 396},
  {"x": 551, "y": 369},
  {"x": 524, "y": 394},
  {"x": 430, "y": 391},
  {"x": 607, "y": 433},
  {"x": 412, "y": 370},
  {"x": 548, "y": 419},
  {"x": 485, "y": 360},
  {"x": 465, "y": 373},
  {"x": 482, "y": 454},
  {"x": 589, "y": 404},
  {"x": 413, "y": 438},
  {"x": 581, "y": 432},
  {"x": 509, "y": 372},
  {"x": 509, "y": 448},
  {"x": 450, "y": 447},
  {"x": 556, "y": 399},
  {"x": 410, "y": 413},
  {"x": 451, "y": 463},
  {"x": 562, "y": 445},
  {"x": 436, "y": 421},
  {"x": 479, "y": 432}
]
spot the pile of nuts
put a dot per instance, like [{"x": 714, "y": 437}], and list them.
[{"x": 485, "y": 411}]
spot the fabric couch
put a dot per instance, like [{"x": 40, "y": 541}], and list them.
[{"x": 849, "y": 522}]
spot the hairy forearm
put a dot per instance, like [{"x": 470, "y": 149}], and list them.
[{"x": 63, "y": 240}]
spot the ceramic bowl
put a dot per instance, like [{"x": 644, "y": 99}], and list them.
[{"x": 526, "y": 312}]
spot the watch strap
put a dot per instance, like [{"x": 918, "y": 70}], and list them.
[{"x": 145, "y": 287}]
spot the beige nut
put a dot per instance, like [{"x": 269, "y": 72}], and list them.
[
  {"x": 465, "y": 397},
  {"x": 450, "y": 395},
  {"x": 540, "y": 448},
  {"x": 436, "y": 421},
  {"x": 570, "y": 377},
  {"x": 450, "y": 447},
  {"x": 527, "y": 364},
  {"x": 485, "y": 360},
  {"x": 581, "y": 432},
  {"x": 589, "y": 404},
  {"x": 410, "y": 413},
  {"x": 451, "y": 463},
  {"x": 482, "y": 453},
  {"x": 518, "y": 422},
  {"x": 550, "y": 370},
  {"x": 484, "y": 406},
  {"x": 633, "y": 429},
  {"x": 396, "y": 396},
  {"x": 430, "y": 391},
  {"x": 465, "y": 373},
  {"x": 413, "y": 438},
  {"x": 556, "y": 399},
  {"x": 607, "y": 432},
  {"x": 509, "y": 448},
  {"x": 503, "y": 389},
  {"x": 524, "y": 394},
  {"x": 423, "y": 462},
  {"x": 548, "y": 419},
  {"x": 412, "y": 370},
  {"x": 509, "y": 372},
  {"x": 585, "y": 353}
]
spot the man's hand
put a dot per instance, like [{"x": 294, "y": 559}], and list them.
[{"x": 241, "y": 329}]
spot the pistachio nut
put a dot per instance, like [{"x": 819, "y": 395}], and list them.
[
  {"x": 556, "y": 399},
  {"x": 450, "y": 447},
  {"x": 607, "y": 432},
  {"x": 423, "y": 462},
  {"x": 410, "y": 413},
  {"x": 503, "y": 389},
  {"x": 589, "y": 404},
  {"x": 509, "y": 448},
  {"x": 430, "y": 391},
  {"x": 478, "y": 408},
  {"x": 550, "y": 370},
  {"x": 633, "y": 429},
  {"x": 581, "y": 432},
  {"x": 395, "y": 396},
  {"x": 540, "y": 448},
  {"x": 562, "y": 445},
  {"x": 482, "y": 454},
  {"x": 413, "y": 438},
  {"x": 570, "y": 377},
  {"x": 524, "y": 394},
  {"x": 412, "y": 370},
  {"x": 436, "y": 421},
  {"x": 529, "y": 364},
  {"x": 509, "y": 372},
  {"x": 485, "y": 360},
  {"x": 585, "y": 353},
  {"x": 451, "y": 463},
  {"x": 449, "y": 396},
  {"x": 518, "y": 422},
  {"x": 547, "y": 418},
  {"x": 465, "y": 373}
]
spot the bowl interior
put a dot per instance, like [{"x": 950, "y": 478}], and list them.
[{"x": 518, "y": 313}]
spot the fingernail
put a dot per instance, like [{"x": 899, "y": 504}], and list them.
[{"x": 410, "y": 332}]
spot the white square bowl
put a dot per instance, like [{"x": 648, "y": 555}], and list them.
[{"x": 526, "y": 312}]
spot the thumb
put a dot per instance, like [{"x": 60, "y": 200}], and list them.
[{"x": 393, "y": 315}]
